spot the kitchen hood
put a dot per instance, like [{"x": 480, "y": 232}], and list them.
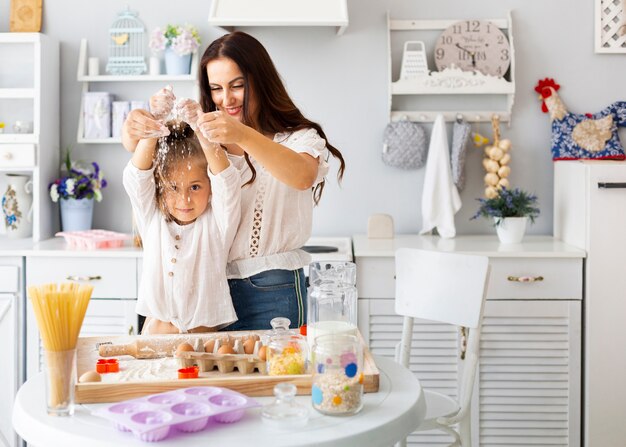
[{"x": 235, "y": 13}]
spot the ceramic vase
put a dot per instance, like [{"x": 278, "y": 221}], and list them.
[
  {"x": 17, "y": 206},
  {"x": 76, "y": 214},
  {"x": 175, "y": 64},
  {"x": 511, "y": 229}
]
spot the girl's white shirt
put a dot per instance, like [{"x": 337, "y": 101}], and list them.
[
  {"x": 276, "y": 219},
  {"x": 186, "y": 286}
]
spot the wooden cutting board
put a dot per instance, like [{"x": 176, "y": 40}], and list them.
[
  {"x": 129, "y": 384},
  {"x": 25, "y": 16}
]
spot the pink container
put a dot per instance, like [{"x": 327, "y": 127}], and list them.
[
  {"x": 93, "y": 239},
  {"x": 151, "y": 418}
]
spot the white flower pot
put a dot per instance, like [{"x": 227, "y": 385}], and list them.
[
  {"x": 511, "y": 229},
  {"x": 76, "y": 215}
]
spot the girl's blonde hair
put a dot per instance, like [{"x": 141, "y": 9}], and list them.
[{"x": 175, "y": 152}]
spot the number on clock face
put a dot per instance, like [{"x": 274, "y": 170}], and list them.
[{"x": 474, "y": 45}]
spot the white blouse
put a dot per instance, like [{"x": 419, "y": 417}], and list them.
[
  {"x": 184, "y": 279},
  {"x": 276, "y": 219}
]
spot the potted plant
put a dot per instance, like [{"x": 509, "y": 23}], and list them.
[
  {"x": 178, "y": 42},
  {"x": 76, "y": 190},
  {"x": 511, "y": 209}
]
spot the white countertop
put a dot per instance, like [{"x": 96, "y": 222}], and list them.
[
  {"x": 56, "y": 247},
  {"x": 486, "y": 245}
]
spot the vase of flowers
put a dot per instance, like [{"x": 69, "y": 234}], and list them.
[
  {"x": 76, "y": 190},
  {"x": 178, "y": 43},
  {"x": 511, "y": 210}
]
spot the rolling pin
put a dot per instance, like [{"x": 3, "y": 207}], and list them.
[{"x": 144, "y": 348}]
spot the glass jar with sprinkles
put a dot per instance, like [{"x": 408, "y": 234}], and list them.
[{"x": 337, "y": 363}]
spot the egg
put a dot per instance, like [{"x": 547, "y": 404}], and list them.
[
  {"x": 263, "y": 353},
  {"x": 183, "y": 347},
  {"x": 209, "y": 346},
  {"x": 90, "y": 376},
  {"x": 248, "y": 346},
  {"x": 226, "y": 349}
]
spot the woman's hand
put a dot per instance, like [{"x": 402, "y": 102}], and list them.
[
  {"x": 219, "y": 127},
  {"x": 189, "y": 111},
  {"x": 162, "y": 103},
  {"x": 141, "y": 124}
]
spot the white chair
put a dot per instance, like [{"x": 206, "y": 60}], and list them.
[{"x": 448, "y": 288}]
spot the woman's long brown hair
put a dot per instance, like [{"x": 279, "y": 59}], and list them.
[{"x": 278, "y": 113}]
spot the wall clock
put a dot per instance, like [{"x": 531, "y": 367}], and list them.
[{"x": 474, "y": 45}]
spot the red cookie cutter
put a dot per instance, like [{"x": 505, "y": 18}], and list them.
[
  {"x": 303, "y": 330},
  {"x": 188, "y": 373},
  {"x": 104, "y": 366}
]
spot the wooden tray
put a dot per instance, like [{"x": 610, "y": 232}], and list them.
[{"x": 254, "y": 384}]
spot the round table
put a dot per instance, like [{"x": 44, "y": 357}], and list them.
[{"x": 387, "y": 416}]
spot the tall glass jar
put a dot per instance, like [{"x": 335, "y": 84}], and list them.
[
  {"x": 331, "y": 309},
  {"x": 337, "y": 362}
]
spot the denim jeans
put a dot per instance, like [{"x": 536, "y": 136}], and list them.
[{"x": 269, "y": 294}]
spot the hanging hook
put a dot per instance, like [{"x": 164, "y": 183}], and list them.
[{"x": 459, "y": 118}]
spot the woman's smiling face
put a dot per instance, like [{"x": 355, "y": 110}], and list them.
[{"x": 228, "y": 89}]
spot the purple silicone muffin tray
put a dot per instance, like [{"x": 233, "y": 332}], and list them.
[{"x": 151, "y": 418}]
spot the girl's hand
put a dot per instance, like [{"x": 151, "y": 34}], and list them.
[
  {"x": 162, "y": 103},
  {"x": 219, "y": 127},
  {"x": 141, "y": 124},
  {"x": 189, "y": 111}
]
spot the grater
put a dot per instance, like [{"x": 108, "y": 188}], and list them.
[{"x": 414, "y": 61}]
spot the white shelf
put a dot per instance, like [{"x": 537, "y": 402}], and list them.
[
  {"x": 82, "y": 76},
  {"x": 17, "y": 93},
  {"x": 18, "y": 138},
  {"x": 232, "y": 13},
  {"x": 451, "y": 81}
]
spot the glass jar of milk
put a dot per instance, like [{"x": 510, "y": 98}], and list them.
[{"x": 331, "y": 300}]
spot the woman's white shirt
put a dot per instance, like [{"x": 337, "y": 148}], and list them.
[
  {"x": 276, "y": 219},
  {"x": 184, "y": 266}
]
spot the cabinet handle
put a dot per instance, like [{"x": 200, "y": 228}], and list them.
[
  {"x": 525, "y": 278},
  {"x": 8, "y": 156},
  {"x": 131, "y": 330},
  {"x": 610, "y": 185},
  {"x": 84, "y": 278}
]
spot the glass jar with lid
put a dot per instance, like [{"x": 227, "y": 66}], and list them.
[
  {"x": 287, "y": 354},
  {"x": 331, "y": 309},
  {"x": 337, "y": 363}
]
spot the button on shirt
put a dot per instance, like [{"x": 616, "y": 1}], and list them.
[{"x": 184, "y": 278}]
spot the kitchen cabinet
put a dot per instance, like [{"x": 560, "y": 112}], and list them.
[
  {"x": 590, "y": 213},
  {"x": 530, "y": 360},
  {"x": 185, "y": 86},
  {"x": 112, "y": 306},
  {"x": 29, "y": 94},
  {"x": 11, "y": 347},
  {"x": 412, "y": 98}
]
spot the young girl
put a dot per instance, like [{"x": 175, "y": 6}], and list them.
[
  {"x": 185, "y": 196},
  {"x": 282, "y": 156}
]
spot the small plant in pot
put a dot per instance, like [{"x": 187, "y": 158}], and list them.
[{"x": 511, "y": 209}]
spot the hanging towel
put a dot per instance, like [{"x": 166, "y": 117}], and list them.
[{"x": 440, "y": 198}]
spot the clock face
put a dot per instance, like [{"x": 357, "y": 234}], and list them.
[{"x": 474, "y": 45}]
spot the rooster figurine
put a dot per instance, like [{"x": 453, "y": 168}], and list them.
[{"x": 576, "y": 136}]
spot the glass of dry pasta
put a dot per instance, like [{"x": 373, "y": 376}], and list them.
[{"x": 60, "y": 311}]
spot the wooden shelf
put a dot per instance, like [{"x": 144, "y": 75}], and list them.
[{"x": 232, "y": 13}]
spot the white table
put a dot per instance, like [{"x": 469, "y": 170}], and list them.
[{"x": 387, "y": 416}]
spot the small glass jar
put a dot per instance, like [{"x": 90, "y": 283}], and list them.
[
  {"x": 287, "y": 355},
  {"x": 285, "y": 412},
  {"x": 337, "y": 362}
]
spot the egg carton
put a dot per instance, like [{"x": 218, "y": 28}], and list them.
[
  {"x": 93, "y": 239},
  {"x": 152, "y": 418},
  {"x": 225, "y": 363}
]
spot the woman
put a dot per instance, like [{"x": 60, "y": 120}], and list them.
[{"x": 282, "y": 159}]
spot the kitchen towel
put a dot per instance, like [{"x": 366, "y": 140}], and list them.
[{"x": 440, "y": 198}]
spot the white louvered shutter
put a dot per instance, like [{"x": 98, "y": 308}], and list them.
[
  {"x": 529, "y": 375},
  {"x": 434, "y": 353}
]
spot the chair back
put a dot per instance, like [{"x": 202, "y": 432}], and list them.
[{"x": 441, "y": 286}]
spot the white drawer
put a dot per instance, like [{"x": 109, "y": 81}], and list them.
[
  {"x": 562, "y": 278},
  {"x": 9, "y": 278},
  {"x": 17, "y": 155},
  {"x": 111, "y": 277}
]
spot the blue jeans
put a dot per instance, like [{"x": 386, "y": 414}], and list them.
[{"x": 269, "y": 294}]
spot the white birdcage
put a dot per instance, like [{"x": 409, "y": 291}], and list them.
[{"x": 126, "y": 45}]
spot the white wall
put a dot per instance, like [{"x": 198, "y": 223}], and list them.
[{"x": 341, "y": 82}]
